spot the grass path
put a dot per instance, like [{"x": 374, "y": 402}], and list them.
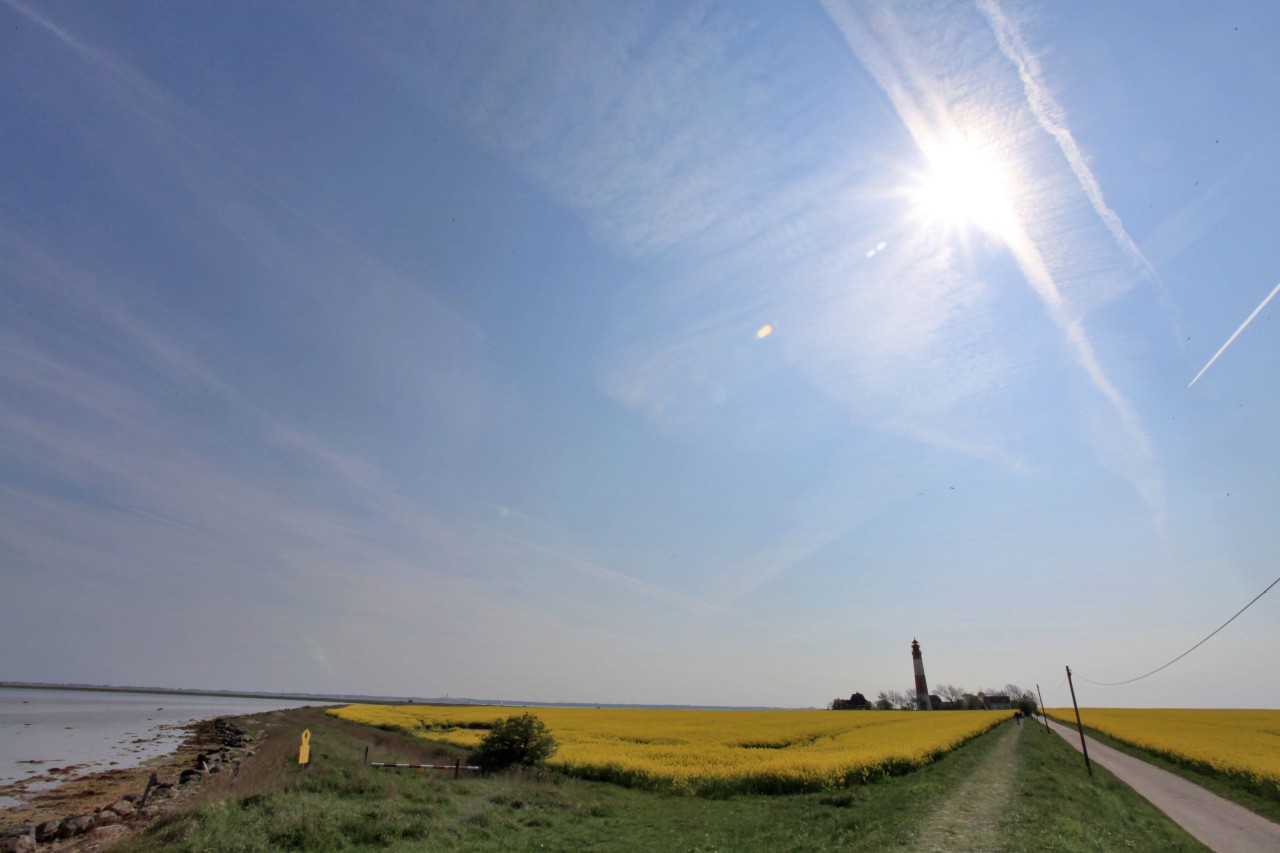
[
  {"x": 970, "y": 818},
  {"x": 1218, "y": 823},
  {"x": 1015, "y": 788}
]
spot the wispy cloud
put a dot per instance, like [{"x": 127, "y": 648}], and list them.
[
  {"x": 1053, "y": 119},
  {"x": 1235, "y": 334},
  {"x": 754, "y": 220},
  {"x": 601, "y": 573},
  {"x": 910, "y": 62},
  {"x": 774, "y": 228}
]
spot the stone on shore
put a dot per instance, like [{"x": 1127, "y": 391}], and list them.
[
  {"x": 19, "y": 839},
  {"x": 75, "y": 825},
  {"x": 122, "y": 807},
  {"x": 47, "y": 831}
]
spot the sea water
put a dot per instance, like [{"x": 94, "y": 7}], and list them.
[{"x": 95, "y": 730}]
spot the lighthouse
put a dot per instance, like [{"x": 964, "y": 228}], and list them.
[{"x": 922, "y": 689}]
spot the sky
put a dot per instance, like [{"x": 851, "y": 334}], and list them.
[{"x": 656, "y": 353}]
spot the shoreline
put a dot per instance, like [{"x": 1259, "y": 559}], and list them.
[
  {"x": 88, "y": 793},
  {"x": 244, "y": 755},
  {"x": 364, "y": 699},
  {"x": 170, "y": 691},
  {"x": 51, "y": 777}
]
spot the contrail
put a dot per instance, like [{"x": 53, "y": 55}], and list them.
[
  {"x": 1052, "y": 119},
  {"x": 1223, "y": 348},
  {"x": 891, "y": 58},
  {"x": 657, "y": 593}
]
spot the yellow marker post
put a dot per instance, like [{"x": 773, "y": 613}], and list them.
[{"x": 304, "y": 751}]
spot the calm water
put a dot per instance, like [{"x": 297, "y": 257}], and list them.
[{"x": 91, "y": 729}]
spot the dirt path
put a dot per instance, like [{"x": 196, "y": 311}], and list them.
[
  {"x": 970, "y": 818},
  {"x": 1218, "y": 824}
]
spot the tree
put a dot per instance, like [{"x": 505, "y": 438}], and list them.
[
  {"x": 522, "y": 739},
  {"x": 1023, "y": 700},
  {"x": 901, "y": 701},
  {"x": 952, "y": 694},
  {"x": 884, "y": 702}
]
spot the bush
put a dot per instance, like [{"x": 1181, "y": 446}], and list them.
[{"x": 522, "y": 739}]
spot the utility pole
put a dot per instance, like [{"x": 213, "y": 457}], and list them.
[
  {"x": 1043, "y": 715},
  {"x": 1083, "y": 746}
]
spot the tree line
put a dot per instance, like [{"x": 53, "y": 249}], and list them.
[{"x": 953, "y": 698}]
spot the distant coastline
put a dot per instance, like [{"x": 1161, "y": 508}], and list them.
[
  {"x": 330, "y": 698},
  {"x": 230, "y": 694}
]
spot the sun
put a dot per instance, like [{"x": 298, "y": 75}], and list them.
[{"x": 966, "y": 185}]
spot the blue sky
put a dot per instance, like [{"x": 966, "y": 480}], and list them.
[{"x": 652, "y": 353}]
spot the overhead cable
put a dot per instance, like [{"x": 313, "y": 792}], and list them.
[
  {"x": 1188, "y": 651},
  {"x": 1061, "y": 685}
]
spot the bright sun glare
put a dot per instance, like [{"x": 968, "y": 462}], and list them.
[{"x": 966, "y": 185}]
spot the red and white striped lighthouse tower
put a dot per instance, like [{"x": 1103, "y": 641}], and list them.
[{"x": 922, "y": 689}]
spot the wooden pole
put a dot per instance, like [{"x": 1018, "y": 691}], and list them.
[
  {"x": 151, "y": 783},
  {"x": 457, "y": 767},
  {"x": 1084, "y": 747},
  {"x": 1043, "y": 715}
]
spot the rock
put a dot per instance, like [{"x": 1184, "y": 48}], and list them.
[
  {"x": 106, "y": 817},
  {"x": 47, "y": 831},
  {"x": 189, "y": 775},
  {"x": 124, "y": 808},
  {"x": 216, "y": 768},
  {"x": 17, "y": 843},
  {"x": 75, "y": 825}
]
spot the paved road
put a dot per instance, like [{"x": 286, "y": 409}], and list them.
[{"x": 1219, "y": 824}]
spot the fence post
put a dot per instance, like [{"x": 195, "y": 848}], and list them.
[{"x": 457, "y": 767}]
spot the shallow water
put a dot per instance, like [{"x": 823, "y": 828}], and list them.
[{"x": 94, "y": 730}]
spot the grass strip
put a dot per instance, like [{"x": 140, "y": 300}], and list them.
[
  {"x": 1225, "y": 786},
  {"x": 341, "y": 804},
  {"x": 1059, "y": 807}
]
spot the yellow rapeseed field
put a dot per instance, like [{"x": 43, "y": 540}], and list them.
[
  {"x": 760, "y": 751},
  {"x": 1242, "y": 745}
]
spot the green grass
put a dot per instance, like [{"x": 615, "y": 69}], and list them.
[
  {"x": 1059, "y": 807},
  {"x": 339, "y": 804},
  {"x": 1227, "y": 787}
]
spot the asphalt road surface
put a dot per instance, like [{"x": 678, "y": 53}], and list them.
[{"x": 1219, "y": 824}]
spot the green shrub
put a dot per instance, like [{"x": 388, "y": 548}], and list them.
[{"x": 519, "y": 740}]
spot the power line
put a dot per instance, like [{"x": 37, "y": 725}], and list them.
[
  {"x": 1061, "y": 685},
  {"x": 1188, "y": 651}
]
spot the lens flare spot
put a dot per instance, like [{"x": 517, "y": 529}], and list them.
[
  {"x": 764, "y": 331},
  {"x": 318, "y": 653}
]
